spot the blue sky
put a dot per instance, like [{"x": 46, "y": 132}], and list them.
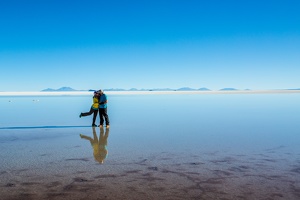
[{"x": 149, "y": 44}]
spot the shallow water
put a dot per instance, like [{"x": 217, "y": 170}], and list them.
[{"x": 206, "y": 146}]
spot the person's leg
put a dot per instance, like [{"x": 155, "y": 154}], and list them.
[
  {"x": 95, "y": 136},
  {"x": 87, "y": 138},
  {"x": 101, "y": 116},
  {"x": 87, "y": 113},
  {"x": 106, "y": 116},
  {"x": 94, "y": 116}
]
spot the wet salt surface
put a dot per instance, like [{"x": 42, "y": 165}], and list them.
[{"x": 228, "y": 147}]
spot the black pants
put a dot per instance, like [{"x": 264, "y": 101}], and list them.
[
  {"x": 91, "y": 112},
  {"x": 103, "y": 113}
]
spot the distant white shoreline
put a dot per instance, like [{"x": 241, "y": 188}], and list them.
[{"x": 82, "y": 93}]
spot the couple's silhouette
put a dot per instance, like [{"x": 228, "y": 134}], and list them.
[
  {"x": 99, "y": 144},
  {"x": 99, "y": 104}
]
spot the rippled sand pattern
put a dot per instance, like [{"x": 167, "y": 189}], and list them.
[{"x": 163, "y": 176}]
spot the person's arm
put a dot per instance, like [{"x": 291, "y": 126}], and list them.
[{"x": 104, "y": 102}]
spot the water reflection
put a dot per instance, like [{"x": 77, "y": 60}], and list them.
[{"x": 99, "y": 145}]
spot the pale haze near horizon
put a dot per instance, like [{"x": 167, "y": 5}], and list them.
[{"x": 149, "y": 44}]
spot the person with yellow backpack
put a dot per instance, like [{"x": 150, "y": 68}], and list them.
[{"x": 94, "y": 108}]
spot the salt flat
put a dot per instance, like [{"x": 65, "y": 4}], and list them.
[{"x": 160, "y": 146}]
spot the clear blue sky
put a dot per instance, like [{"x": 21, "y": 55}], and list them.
[{"x": 149, "y": 44}]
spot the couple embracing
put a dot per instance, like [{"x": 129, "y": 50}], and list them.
[{"x": 99, "y": 104}]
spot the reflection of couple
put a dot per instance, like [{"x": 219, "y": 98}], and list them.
[
  {"x": 99, "y": 146},
  {"x": 99, "y": 103}
]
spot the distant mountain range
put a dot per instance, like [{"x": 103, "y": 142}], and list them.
[
  {"x": 62, "y": 89},
  {"x": 69, "y": 89},
  {"x": 66, "y": 89}
]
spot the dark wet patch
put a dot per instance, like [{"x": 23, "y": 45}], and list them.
[
  {"x": 166, "y": 171},
  {"x": 193, "y": 173},
  {"x": 10, "y": 185},
  {"x": 20, "y": 170},
  {"x": 68, "y": 187},
  {"x": 212, "y": 153},
  {"x": 27, "y": 196},
  {"x": 53, "y": 184},
  {"x": 158, "y": 189},
  {"x": 149, "y": 177},
  {"x": 269, "y": 160},
  {"x": 77, "y": 159},
  {"x": 133, "y": 171},
  {"x": 54, "y": 195},
  {"x": 59, "y": 176},
  {"x": 213, "y": 181},
  {"x": 275, "y": 177},
  {"x": 276, "y": 148},
  {"x": 271, "y": 152},
  {"x": 228, "y": 160},
  {"x": 29, "y": 183},
  {"x": 195, "y": 163},
  {"x": 142, "y": 162},
  {"x": 106, "y": 176},
  {"x": 78, "y": 179},
  {"x": 222, "y": 172},
  {"x": 81, "y": 172},
  {"x": 274, "y": 195},
  {"x": 244, "y": 167},
  {"x": 261, "y": 165},
  {"x": 295, "y": 190},
  {"x": 165, "y": 159},
  {"x": 153, "y": 168},
  {"x": 239, "y": 169},
  {"x": 176, "y": 165},
  {"x": 2, "y": 172},
  {"x": 132, "y": 189},
  {"x": 262, "y": 155},
  {"x": 296, "y": 170},
  {"x": 189, "y": 176},
  {"x": 241, "y": 155}
]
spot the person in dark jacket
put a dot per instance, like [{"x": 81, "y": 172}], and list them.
[{"x": 103, "y": 109}]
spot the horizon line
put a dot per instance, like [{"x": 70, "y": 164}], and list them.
[
  {"x": 82, "y": 93},
  {"x": 69, "y": 89}
]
